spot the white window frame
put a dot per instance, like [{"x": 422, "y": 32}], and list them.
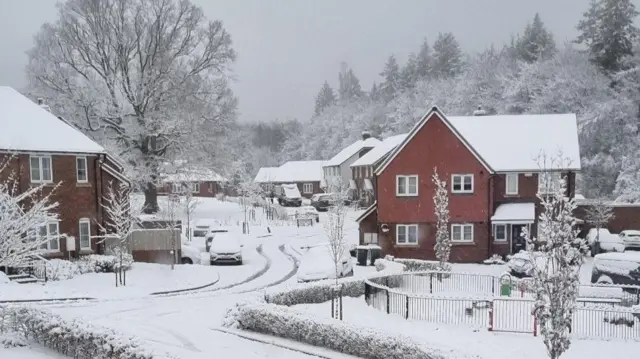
[
  {"x": 175, "y": 188},
  {"x": 86, "y": 170},
  {"x": 406, "y": 234},
  {"x": 512, "y": 176},
  {"x": 552, "y": 178},
  {"x": 495, "y": 233},
  {"x": 307, "y": 188},
  {"x": 406, "y": 192},
  {"x": 462, "y": 177},
  {"x": 462, "y": 227},
  {"x": 86, "y": 221},
  {"x": 40, "y": 169},
  {"x": 194, "y": 187},
  {"x": 50, "y": 237},
  {"x": 370, "y": 238}
]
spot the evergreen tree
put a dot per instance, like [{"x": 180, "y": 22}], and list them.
[
  {"x": 391, "y": 84},
  {"x": 608, "y": 31},
  {"x": 374, "y": 94},
  {"x": 349, "y": 87},
  {"x": 536, "y": 42},
  {"x": 408, "y": 75},
  {"x": 447, "y": 56},
  {"x": 424, "y": 60},
  {"x": 325, "y": 98}
]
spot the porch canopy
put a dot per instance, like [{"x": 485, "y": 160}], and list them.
[{"x": 515, "y": 213}]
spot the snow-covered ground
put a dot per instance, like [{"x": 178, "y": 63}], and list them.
[
  {"x": 34, "y": 351},
  {"x": 469, "y": 341}
]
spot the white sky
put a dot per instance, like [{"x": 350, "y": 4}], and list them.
[{"x": 288, "y": 48}]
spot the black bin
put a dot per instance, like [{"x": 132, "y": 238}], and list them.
[
  {"x": 361, "y": 255},
  {"x": 375, "y": 252}
]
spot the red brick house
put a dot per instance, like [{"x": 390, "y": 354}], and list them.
[
  {"x": 42, "y": 148},
  {"x": 201, "y": 183},
  {"x": 492, "y": 169}
]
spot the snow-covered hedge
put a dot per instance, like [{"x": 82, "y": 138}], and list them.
[
  {"x": 416, "y": 265},
  {"x": 362, "y": 342},
  {"x": 73, "y": 338},
  {"x": 495, "y": 259},
  {"x": 96, "y": 263},
  {"x": 60, "y": 269}
]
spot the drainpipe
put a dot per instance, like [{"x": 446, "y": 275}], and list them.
[
  {"x": 489, "y": 213},
  {"x": 99, "y": 182}
]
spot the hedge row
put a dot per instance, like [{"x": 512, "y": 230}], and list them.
[
  {"x": 417, "y": 265},
  {"x": 72, "y": 338},
  {"x": 329, "y": 333}
]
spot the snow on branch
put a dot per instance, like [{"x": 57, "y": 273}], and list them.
[
  {"x": 441, "y": 206},
  {"x": 334, "y": 225}
]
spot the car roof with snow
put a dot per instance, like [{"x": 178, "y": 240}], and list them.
[
  {"x": 617, "y": 256},
  {"x": 631, "y": 232}
]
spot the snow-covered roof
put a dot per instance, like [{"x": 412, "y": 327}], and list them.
[
  {"x": 382, "y": 149},
  {"x": 194, "y": 175},
  {"x": 514, "y": 213},
  {"x": 266, "y": 174},
  {"x": 514, "y": 142},
  {"x": 351, "y": 150},
  {"x": 27, "y": 126},
  {"x": 300, "y": 171}
]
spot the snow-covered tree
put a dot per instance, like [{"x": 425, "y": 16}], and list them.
[
  {"x": 391, "y": 83},
  {"x": 424, "y": 61},
  {"x": 374, "y": 94},
  {"x": 149, "y": 77},
  {"x": 409, "y": 72},
  {"x": 249, "y": 191},
  {"x": 349, "y": 86},
  {"x": 556, "y": 277},
  {"x": 599, "y": 214},
  {"x": 22, "y": 214},
  {"x": 118, "y": 226},
  {"x": 325, "y": 98},
  {"x": 447, "y": 56},
  {"x": 536, "y": 42},
  {"x": 334, "y": 224},
  {"x": 608, "y": 30},
  {"x": 628, "y": 181},
  {"x": 441, "y": 207},
  {"x": 189, "y": 205}
]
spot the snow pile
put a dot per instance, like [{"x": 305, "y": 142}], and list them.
[
  {"x": 74, "y": 338},
  {"x": 495, "y": 259},
  {"x": 96, "y": 263},
  {"x": 330, "y": 333},
  {"x": 60, "y": 269},
  {"x": 4, "y": 279},
  {"x": 382, "y": 264}
]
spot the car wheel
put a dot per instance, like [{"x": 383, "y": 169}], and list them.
[
  {"x": 212, "y": 263},
  {"x": 239, "y": 262},
  {"x": 186, "y": 260},
  {"x": 605, "y": 279},
  {"x": 350, "y": 274}
]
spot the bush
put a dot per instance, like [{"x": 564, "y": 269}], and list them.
[
  {"x": 96, "y": 263},
  {"x": 416, "y": 265},
  {"x": 60, "y": 269},
  {"x": 495, "y": 259},
  {"x": 73, "y": 338},
  {"x": 326, "y": 332}
]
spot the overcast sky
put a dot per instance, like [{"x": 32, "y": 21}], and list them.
[{"x": 288, "y": 48}]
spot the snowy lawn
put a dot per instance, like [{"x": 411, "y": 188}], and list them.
[
  {"x": 470, "y": 341},
  {"x": 34, "y": 351}
]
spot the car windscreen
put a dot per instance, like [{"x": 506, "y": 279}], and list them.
[{"x": 199, "y": 233}]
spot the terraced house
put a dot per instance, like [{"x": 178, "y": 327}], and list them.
[
  {"x": 42, "y": 148},
  {"x": 493, "y": 169}
]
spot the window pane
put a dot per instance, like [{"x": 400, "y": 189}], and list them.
[
  {"x": 402, "y": 185},
  {"x": 374, "y": 238},
  {"x": 468, "y": 183},
  {"x": 81, "y": 166},
  {"x": 402, "y": 234},
  {"x": 85, "y": 240},
  {"x": 457, "y": 183},
  {"x": 413, "y": 234},
  {"x": 42, "y": 231},
  {"x": 35, "y": 168},
  {"x": 53, "y": 244},
  {"x": 500, "y": 232},
  {"x": 468, "y": 233},
  {"x": 456, "y": 233},
  {"x": 413, "y": 185},
  {"x": 46, "y": 168},
  {"x": 53, "y": 229}
]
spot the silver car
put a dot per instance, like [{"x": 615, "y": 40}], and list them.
[{"x": 631, "y": 238}]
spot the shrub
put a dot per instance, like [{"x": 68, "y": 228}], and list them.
[
  {"x": 95, "y": 263},
  {"x": 495, "y": 259},
  {"x": 326, "y": 332},
  {"x": 59, "y": 269},
  {"x": 417, "y": 265}
]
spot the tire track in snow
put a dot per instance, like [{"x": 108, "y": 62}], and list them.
[{"x": 286, "y": 277}]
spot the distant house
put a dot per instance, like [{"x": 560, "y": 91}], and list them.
[
  {"x": 307, "y": 175},
  {"x": 44, "y": 149},
  {"x": 363, "y": 168},
  {"x": 337, "y": 170},
  {"x": 492, "y": 173},
  {"x": 200, "y": 182}
]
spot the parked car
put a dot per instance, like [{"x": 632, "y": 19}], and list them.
[
  {"x": 616, "y": 268},
  {"x": 521, "y": 265},
  {"x": 289, "y": 195},
  {"x": 601, "y": 240},
  {"x": 225, "y": 248},
  {"x": 317, "y": 264},
  {"x": 630, "y": 238},
  {"x": 321, "y": 201},
  {"x": 308, "y": 212},
  {"x": 211, "y": 234},
  {"x": 200, "y": 232}
]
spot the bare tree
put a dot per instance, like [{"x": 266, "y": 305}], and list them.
[
  {"x": 147, "y": 76},
  {"x": 189, "y": 205},
  {"x": 334, "y": 225},
  {"x": 22, "y": 214},
  {"x": 598, "y": 215},
  {"x": 118, "y": 227},
  {"x": 169, "y": 214},
  {"x": 556, "y": 279},
  {"x": 441, "y": 207}
]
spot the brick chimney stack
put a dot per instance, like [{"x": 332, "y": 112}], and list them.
[{"x": 479, "y": 112}]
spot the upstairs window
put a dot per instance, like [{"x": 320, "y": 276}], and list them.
[
  {"x": 407, "y": 185},
  {"x": 40, "y": 168},
  {"x": 511, "y": 184},
  {"x": 462, "y": 183},
  {"x": 81, "y": 170}
]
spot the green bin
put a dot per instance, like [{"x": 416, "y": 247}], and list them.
[{"x": 505, "y": 289}]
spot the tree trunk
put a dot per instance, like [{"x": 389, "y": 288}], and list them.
[{"x": 150, "y": 199}]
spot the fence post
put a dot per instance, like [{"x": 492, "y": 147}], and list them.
[
  {"x": 388, "y": 311},
  {"x": 367, "y": 292},
  {"x": 430, "y": 283},
  {"x": 535, "y": 326},
  {"x": 406, "y": 313},
  {"x": 491, "y": 318}
]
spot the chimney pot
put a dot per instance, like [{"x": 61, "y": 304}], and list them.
[
  {"x": 366, "y": 134},
  {"x": 479, "y": 112},
  {"x": 40, "y": 101}
]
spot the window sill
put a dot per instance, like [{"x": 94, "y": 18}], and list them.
[
  {"x": 462, "y": 193},
  {"x": 83, "y": 184},
  {"x": 500, "y": 242},
  {"x": 86, "y": 251},
  {"x": 512, "y": 195},
  {"x": 403, "y": 245},
  {"x": 407, "y": 195},
  {"x": 463, "y": 243},
  {"x": 52, "y": 253}
]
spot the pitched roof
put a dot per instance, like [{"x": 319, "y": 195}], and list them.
[
  {"x": 26, "y": 126},
  {"x": 382, "y": 149},
  {"x": 266, "y": 174},
  {"x": 510, "y": 143},
  {"x": 367, "y": 212},
  {"x": 351, "y": 150},
  {"x": 194, "y": 175},
  {"x": 300, "y": 171}
]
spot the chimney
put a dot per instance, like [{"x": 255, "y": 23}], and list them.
[
  {"x": 43, "y": 105},
  {"x": 40, "y": 101},
  {"x": 365, "y": 135},
  {"x": 479, "y": 112}
]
